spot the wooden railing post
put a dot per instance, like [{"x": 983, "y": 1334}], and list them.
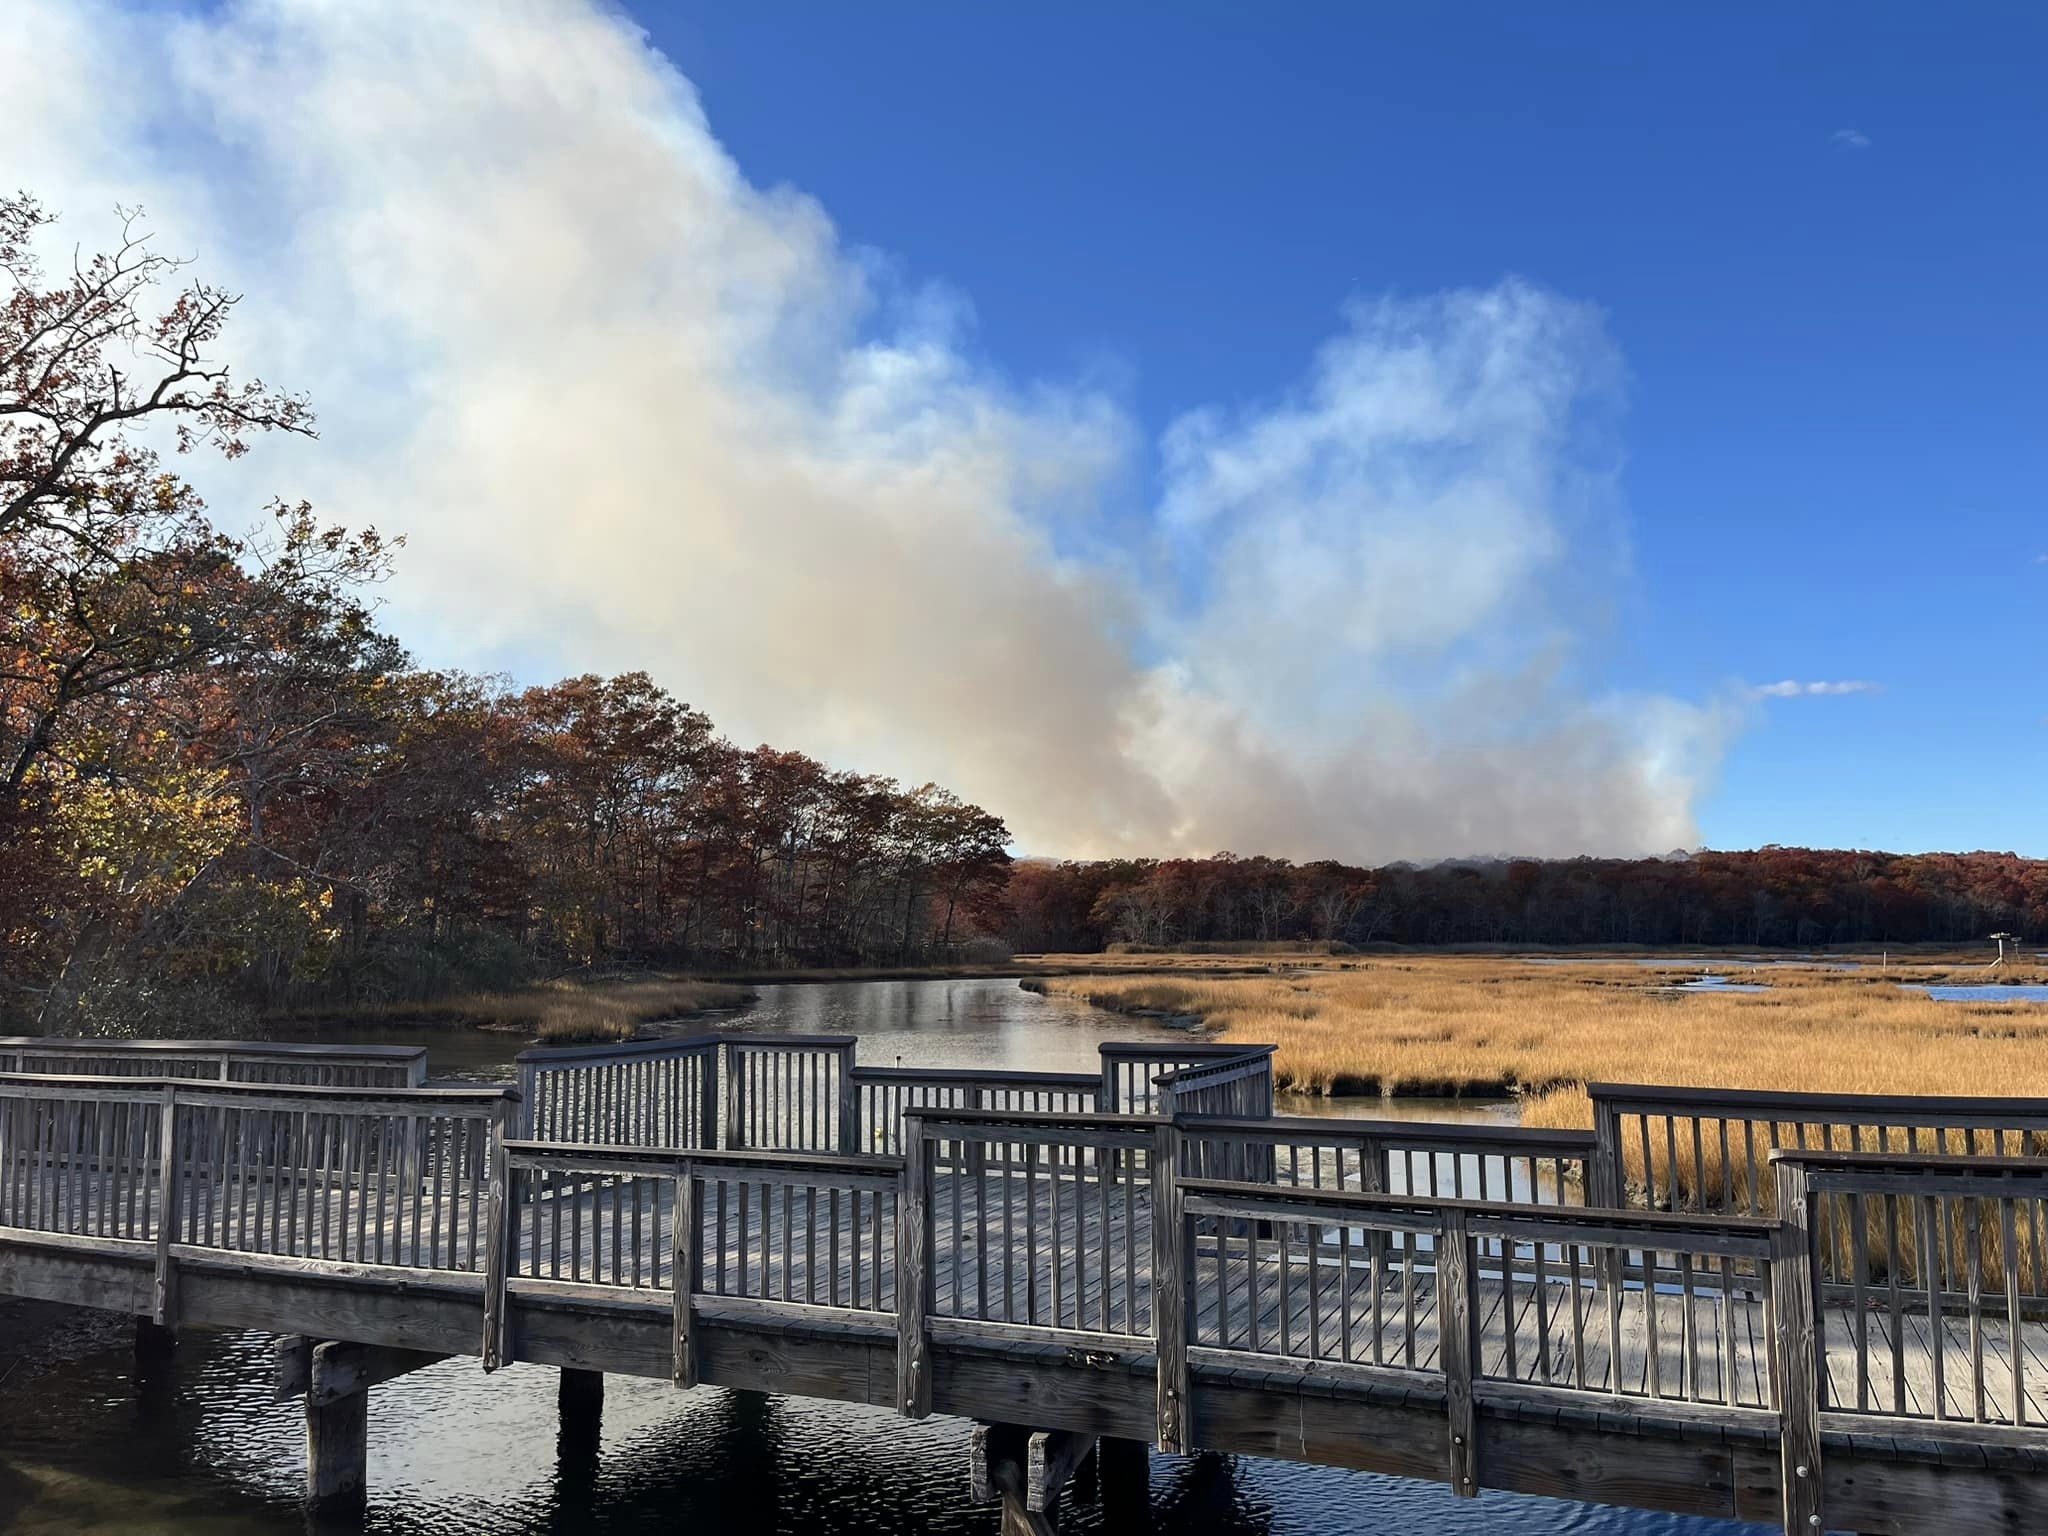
[
  {"x": 1603, "y": 1189},
  {"x": 529, "y": 1083},
  {"x": 501, "y": 1230},
  {"x": 1795, "y": 1358},
  {"x": 163, "y": 1298},
  {"x": 686, "y": 1271},
  {"x": 731, "y": 1138},
  {"x": 914, "y": 1273},
  {"x": 1171, "y": 1293},
  {"x": 707, "y": 1098},
  {"x": 850, "y": 1128},
  {"x": 1603, "y": 1170},
  {"x": 1454, "y": 1290},
  {"x": 975, "y": 1162}
]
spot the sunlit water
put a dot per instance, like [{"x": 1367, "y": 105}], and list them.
[{"x": 198, "y": 1448}]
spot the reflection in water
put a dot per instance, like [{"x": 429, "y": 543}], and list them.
[
  {"x": 197, "y": 1448},
  {"x": 93, "y": 1446}
]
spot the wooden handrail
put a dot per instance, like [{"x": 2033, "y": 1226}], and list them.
[
  {"x": 620, "y": 1050},
  {"x": 203, "y": 1090},
  {"x": 77, "y": 1044},
  {"x": 1035, "y": 1118},
  {"x": 1354, "y": 1128},
  {"x": 1668, "y": 1098},
  {"x": 570, "y": 1156},
  {"x": 1815, "y": 1158},
  {"x": 976, "y": 1077},
  {"x": 1660, "y": 1224}
]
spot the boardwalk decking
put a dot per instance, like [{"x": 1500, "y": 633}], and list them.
[{"x": 1867, "y": 1346}]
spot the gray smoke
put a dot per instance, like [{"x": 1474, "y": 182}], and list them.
[{"x": 632, "y": 411}]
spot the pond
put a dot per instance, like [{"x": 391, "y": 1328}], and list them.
[{"x": 90, "y": 1442}]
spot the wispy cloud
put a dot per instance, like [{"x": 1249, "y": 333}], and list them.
[
  {"x": 1849, "y": 138},
  {"x": 1788, "y": 688}
]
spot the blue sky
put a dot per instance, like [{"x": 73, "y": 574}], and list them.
[
  {"x": 1817, "y": 235},
  {"x": 1362, "y": 431}
]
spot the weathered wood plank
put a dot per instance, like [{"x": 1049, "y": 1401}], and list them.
[
  {"x": 1453, "y": 1257},
  {"x": 913, "y": 1276},
  {"x": 1801, "y": 1486}
]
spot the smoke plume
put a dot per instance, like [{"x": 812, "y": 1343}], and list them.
[{"x": 632, "y": 411}]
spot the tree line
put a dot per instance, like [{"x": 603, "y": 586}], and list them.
[
  {"x": 1772, "y": 897},
  {"x": 224, "y": 788}
]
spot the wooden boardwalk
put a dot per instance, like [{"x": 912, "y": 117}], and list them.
[{"x": 1557, "y": 1313}]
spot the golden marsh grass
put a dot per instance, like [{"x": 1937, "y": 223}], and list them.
[{"x": 1482, "y": 1024}]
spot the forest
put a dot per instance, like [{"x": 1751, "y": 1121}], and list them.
[
  {"x": 1795, "y": 898},
  {"x": 225, "y": 790}
]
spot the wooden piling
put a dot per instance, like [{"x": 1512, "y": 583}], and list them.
[
  {"x": 1028, "y": 1470},
  {"x": 337, "y": 1451},
  {"x": 154, "y": 1343},
  {"x": 580, "y": 1399},
  {"x": 1123, "y": 1480}
]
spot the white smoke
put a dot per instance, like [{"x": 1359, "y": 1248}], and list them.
[{"x": 632, "y": 411}]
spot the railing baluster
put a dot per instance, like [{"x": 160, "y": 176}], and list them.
[{"x": 2015, "y": 1346}]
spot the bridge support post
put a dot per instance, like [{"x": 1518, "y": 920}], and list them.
[
  {"x": 337, "y": 1452},
  {"x": 154, "y": 1343},
  {"x": 1123, "y": 1479},
  {"x": 1027, "y": 1470},
  {"x": 581, "y": 1400}
]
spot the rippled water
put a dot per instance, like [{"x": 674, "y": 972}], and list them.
[{"x": 198, "y": 1449}]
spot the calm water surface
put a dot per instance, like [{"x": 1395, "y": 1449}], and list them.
[{"x": 197, "y": 1449}]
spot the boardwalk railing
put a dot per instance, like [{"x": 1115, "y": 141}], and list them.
[
  {"x": 805, "y": 1092},
  {"x": 1480, "y": 1301},
  {"x": 735, "y": 1234},
  {"x": 1709, "y": 1149},
  {"x": 762, "y": 1092},
  {"x": 361, "y": 1176},
  {"x": 1131, "y": 1068},
  {"x": 235, "y": 1061},
  {"x": 1924, "y": 1270},
  {"x": 1463, "y": 1161},
  {"x": 887, "y": 1094},
  {"x": 791, "y": 1093},
  {"x": 1239, "y": 1086},
  {"x": 1872, "y": 1293},
  {"x": 1016, "y": 1223},
  {"x": 642, "y": 1093}
]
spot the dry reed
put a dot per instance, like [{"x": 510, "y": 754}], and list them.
[
  {"x": 1475, "y": 1025},
  {"x": 563, "y": 1011}
]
